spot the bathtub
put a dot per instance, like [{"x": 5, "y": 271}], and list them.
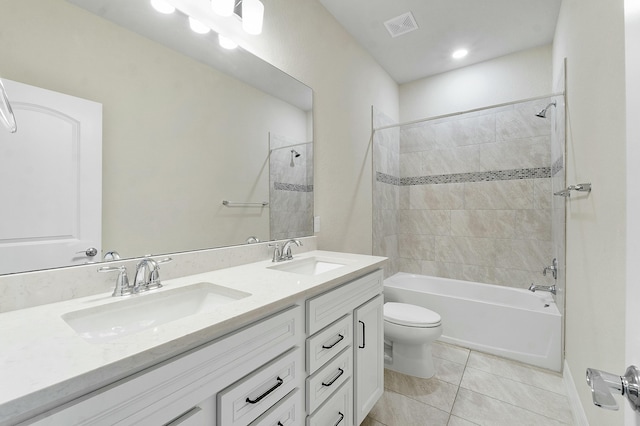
[{"x": 504, "y": 321}]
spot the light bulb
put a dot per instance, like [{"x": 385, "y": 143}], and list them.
[
  {"x": 162, "y": 6},
  {"x": 223, "y": 7},
  {"x": 252, "y": 13},
  {"x": 226, "y": 42},
  {"x": 460, "y": 53},
  {"x": 197, "y": 26}
]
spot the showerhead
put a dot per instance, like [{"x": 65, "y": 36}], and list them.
[
  {"x": 543, "y": 112},
  {"x": 295, "y": 154}
]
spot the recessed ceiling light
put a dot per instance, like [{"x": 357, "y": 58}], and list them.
[{"x": 460, "y": 53}]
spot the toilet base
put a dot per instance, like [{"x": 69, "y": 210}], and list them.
[{"x": 412, "y": 360}]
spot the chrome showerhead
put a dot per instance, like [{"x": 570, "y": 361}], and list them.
[
  {"x": 295, "y": 154},
  {"x": 543, "y": 112}
]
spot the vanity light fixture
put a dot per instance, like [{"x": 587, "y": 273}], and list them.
[
  {"x": 226, "y": 42},
  {"x": 460, "y": 53},
  {"x": 223, "y": 7},
  {"x": 163, "y": 7},
  {"x": 197, "y": 26},
  {"x": 252, "y": 16}
]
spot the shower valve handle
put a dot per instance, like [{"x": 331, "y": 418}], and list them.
[{"x": 604, "y": 385}]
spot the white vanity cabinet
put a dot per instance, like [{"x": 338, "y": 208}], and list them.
[
  {"x": 344, "y": 352},
  {"x": 238, "y": 377}
]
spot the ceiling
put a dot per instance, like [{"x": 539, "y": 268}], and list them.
[{"x": 487, "y": 28}]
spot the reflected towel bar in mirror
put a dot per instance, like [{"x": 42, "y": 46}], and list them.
[{"x": 236, "y": 204}]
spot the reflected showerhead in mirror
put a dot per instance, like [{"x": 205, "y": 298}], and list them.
[
  {"x": 543, "y": 112},
  {"x": 294, "y": 154}
]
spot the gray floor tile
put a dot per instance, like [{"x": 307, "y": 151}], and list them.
[
  {"x": 432, "y": 391},
  {"x": 450, "y": 352},
  {"x": 513, "y": 370},
  {"x": 457, "y": 421},
  {"x": 394, "y": 409},
  {"x": 448, "y": 371},
  {"x": 485, "y": 410},
  {"x": 521, "y": 395}
]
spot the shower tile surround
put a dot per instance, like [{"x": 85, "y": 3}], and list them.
[
  {"x": 467, "y": 197},
  {"x": 472, "y": 388}
]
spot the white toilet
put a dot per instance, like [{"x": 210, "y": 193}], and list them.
[{"x": 409, "y": 331}]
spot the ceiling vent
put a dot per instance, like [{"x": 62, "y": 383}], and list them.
[{"x": 402, "y": 24}]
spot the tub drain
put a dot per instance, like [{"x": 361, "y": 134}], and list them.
[{"x": 546, "y": 305}]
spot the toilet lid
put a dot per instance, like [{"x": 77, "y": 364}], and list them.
[{"x": 410, "y": 315}]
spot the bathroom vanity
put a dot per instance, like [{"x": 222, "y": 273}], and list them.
[{"x": 289, "y": 343}]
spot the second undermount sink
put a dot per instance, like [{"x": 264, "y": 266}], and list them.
[
  {"x": 140, "y": 312},
  {"x": 308, "y": 266}
]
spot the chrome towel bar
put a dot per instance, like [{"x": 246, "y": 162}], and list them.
[{"x": 235, "y": 204}]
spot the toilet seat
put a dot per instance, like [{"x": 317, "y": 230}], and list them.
[{"x": 410, "y": 315}]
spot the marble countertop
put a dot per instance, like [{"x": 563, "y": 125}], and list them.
[{"x": 45, "y": 363}]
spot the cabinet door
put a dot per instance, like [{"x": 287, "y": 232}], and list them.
[{"x": 369, "y": 357}]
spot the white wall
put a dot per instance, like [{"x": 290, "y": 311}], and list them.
[
  {"x": 591, "y": 35},
  {"x": 513, "y": 77},
  {"x": 303, "y": 39}
]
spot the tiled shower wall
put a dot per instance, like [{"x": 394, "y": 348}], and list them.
[
  {"x": 291, "y": 188},
  {"x": 471, "y": 198},
  {"x": 386, "y": 192}
]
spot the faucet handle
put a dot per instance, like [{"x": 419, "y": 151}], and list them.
[
  {"x": 122, "y": 288},
  {"x": 154, "y": 277},
  {"x": 277, "y": 254}
]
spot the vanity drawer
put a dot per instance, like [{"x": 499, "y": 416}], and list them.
[
  {"x": 328, "y": 307},
  {"x": 245, "y": 400},
  {"x": 326, "y": 344},
  {"x": 322, "y": 384},
  {"x": 336, "y": 411},
  {"x": 288, "y": 412}
]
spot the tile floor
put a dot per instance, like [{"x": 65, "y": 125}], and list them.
[{"x": 472, "y": 388}]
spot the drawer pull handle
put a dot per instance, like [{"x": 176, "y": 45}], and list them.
[
  {"x": 261, "y": 397},
  {"x": 280, "y": 424},
  {"x": 341, "y": 418},
  {"x": 363, "y": 334},
  {"x": 340, "y": 372},
  {"x": 340, "y": 337}
]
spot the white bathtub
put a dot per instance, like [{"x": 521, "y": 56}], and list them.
[{"x": 509, "y": 322}]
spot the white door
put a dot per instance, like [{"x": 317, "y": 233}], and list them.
[
  {"x": 369, "y": 357},
  {"x": 50, "y": 180},
  {"x": 632, "y": 58}
]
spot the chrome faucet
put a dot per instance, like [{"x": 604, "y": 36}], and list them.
[
  {"x": 553, "y": 268},
  {"x": 147, "y": 275},
  {"x": 550, "y": 288},
  {"x": 279, "y": 254},
  {"x": 286, "y": 249}
]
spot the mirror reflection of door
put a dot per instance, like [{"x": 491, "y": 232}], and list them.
[{"x": 50, "y": 180}]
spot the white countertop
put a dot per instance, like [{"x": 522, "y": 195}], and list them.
[{"x": 44, "y": 362}]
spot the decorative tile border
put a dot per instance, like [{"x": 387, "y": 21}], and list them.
[
  {"x": 385, "y": 178},
  {"x": 557, "y": 166},
  {"x": 280, "y": 186},
  {"x": 514, "y": 174}
]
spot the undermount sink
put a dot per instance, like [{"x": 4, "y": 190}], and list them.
[
  {"x": 133, "y": 314},
  {"x": 308, "y": 266}
]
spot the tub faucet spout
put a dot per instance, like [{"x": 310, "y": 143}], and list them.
[{"x": 550, "y": 288}]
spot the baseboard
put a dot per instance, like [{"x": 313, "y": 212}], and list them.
[{"x": 579, "y": 416}]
